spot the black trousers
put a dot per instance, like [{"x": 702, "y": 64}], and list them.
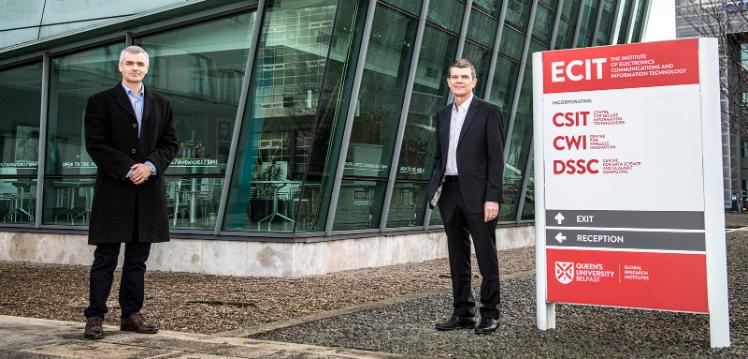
[
  {"x": 460, "y": 225},
  {"x": 132, "y": 286}
]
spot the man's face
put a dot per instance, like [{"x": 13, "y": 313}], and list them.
[
  {"x": 133, "y": 67},
  {"x": 461, "y": 81}
]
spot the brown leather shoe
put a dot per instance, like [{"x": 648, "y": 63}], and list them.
[
  {"x": 136, "y": 323},
  {"x": 94, "y": 328}
]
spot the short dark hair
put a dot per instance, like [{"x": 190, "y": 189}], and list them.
[{"x": 462, "y": 64}]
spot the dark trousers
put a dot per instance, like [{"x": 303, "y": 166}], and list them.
[
  {"x": 131, "y": 288},
  {"x": 460, "y": 225}
]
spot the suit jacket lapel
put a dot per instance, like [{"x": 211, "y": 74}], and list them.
[
  {"x": 472, "y": 111},
  {"x": 120, "y": 97}
]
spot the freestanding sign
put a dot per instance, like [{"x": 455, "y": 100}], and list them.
[{"x": 628, "y": 191}]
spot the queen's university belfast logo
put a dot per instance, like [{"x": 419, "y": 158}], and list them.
[{"x": 565, "y": 272}]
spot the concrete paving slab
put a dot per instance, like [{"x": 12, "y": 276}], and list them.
[{"x": 41, "y": 338}]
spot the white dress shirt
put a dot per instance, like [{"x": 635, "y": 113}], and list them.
[{"x": 455, "y": 127}]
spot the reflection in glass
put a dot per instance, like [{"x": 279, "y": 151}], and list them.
[
  {"x": 589, "y": 17},
  {"x": 67, "y": 201},
  {"x": 359, "y": 204},
  {"x": 512, "y": 43},
  {"x": 200, "y": 68},
  {"x": 481, "y": 59},
  {"x": 605, "y": 30},
  {"x": 446, "y": 13},
  {"x": 430, "y": 93},
  {"x": 20, "y": 96},
  {"x": 504, "y": 83},
  {"x": 73, "y": 79},
  {"x": 482, "y": 28},
  {"x": 379, "y": 104},
  {"x": 565, "y": 35},
  {"x": 492, "y": 7},
  {"x": 193, "y": 202},
  {"x": 413, "y": 6},
  {"x": 520, "y": 143},
  {"x": 17, "y": 200},
  {"x": 625, "y": 19},
  {"x": 279, "y": 118},
  {"x": 528, "y": 209},
  {"x": 518, "y": 13},
  {"x": 543, "y": 25},
  {"x": 639, "y": 21}
]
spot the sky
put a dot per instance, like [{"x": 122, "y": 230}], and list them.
[{"x": 661, "y": 21}]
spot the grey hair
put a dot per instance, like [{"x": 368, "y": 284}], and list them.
[
  {"x": 463, "y": 64},
  {"x": 133, "y": 50}
]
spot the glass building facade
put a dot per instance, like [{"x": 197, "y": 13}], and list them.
[{"x": 295, "y": 117}]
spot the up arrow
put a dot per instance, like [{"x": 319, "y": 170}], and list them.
[
  {"x": 559, "y": 218},
  {"x": 560, "y": 237}
]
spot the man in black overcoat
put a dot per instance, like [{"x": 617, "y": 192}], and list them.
[
  {"x": 466, "y": 185},
  {"x": 130, "y": 135}
]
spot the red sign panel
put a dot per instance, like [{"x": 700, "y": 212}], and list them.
[
  {"x": 668, "y": 281},
  {"x": 623, "y": 66}
]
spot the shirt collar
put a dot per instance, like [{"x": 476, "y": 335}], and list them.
[
  {"x": 465, "y": 105},
  {"x": 128, "y": 91}
]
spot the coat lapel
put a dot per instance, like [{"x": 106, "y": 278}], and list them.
[
  {"x": 120, "y": 97},
  {"x": 472, "y": 111},
  {"x": 147, "y": 107}
]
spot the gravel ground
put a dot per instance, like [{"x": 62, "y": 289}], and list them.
[
  {"x": 582, "y": 332},
  {"x": 213, "y": 304}
]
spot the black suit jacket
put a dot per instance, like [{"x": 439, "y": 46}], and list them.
[
  {"x": 112, "y": 141},
  {"x": 480, "y": 159}
]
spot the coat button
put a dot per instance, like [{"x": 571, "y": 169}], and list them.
[
  {"x": 133, "y": 151},
  {"x": 134, "y": 125}
]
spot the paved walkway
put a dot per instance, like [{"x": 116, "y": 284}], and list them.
[{"x": 40, "y": 338}]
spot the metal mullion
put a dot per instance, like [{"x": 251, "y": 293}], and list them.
[
  {"x": 631, "y": 20},
  {"x": 41, "y": 158},
  {"x": 340, "y": 166},
  {"x": 129, "y": 39},
  {"x": 460, "y": 48},
  {"x": 520, "y": 80},
  {"x": 600, "y": 7},
  {"x": 645, "y": 18},
  {"x": 578, "y": 25},
  {"x": 239, "y": 120},
  {"x": 403, "y": 117},
  {"x": 525, "y": 181},
  {"x": 556, "y": 22},
  {"x": 616, "y": 30},
  {"x": 464, "y": 29},
  {"x": 496, "y": 45}
]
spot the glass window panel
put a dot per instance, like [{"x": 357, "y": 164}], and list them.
[
  {"x": 436, "y": 217},
  {"x": 481, "y": 59},
  {"x": 407, "y": 205},
  {"x": 565, "y": 35},
  {"x": 518, "y": 13},
  {"x": 67, "y": 201},
  {"x": 492, "y": 7},
  {"x": 279, "y": 118},
  {"x": 528, "y": 209},
  {"x": 504, "y": 83},
  {"x": 17, "y": 200},
  {"x": 519, "y": 146},
  {"x": 430, "y": 93},
  {"x": 359, "y": 204},
  {"x": 512, "y": 43},
  {"x": 570, "y": 9},
  {"x": 413, "y": 6},
  {"x": 542, "y": 28},
  {"x": 606, "y": 23},
  {"x": 623, "y": 32},
  {"x": 447, "y": 14},
  {"x": 639, "y": 21},
  {"x": 381, "y": 95},
  {"x": 585, "y": 38},
  {"x": 73, "y": 79},
  {"x": 200, "y": 68},
  {"x": 20, "y": 100},
  {"x": 589, "y": 17},
  {"x": 322, "y": 149},
  {"x": 482, "y": 28}
]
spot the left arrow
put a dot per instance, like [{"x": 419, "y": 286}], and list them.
[{"x": 560, "y": 237}]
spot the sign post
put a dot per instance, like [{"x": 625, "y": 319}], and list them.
[{"x": 628, "y": 208}]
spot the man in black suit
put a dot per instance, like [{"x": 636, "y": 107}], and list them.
[
  {"x": 130, "y": 135},
  {"x": 466, "y": 185}
]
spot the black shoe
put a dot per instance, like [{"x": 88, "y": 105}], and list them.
[
  {"x": 487, "y": 326},
  {"x": 456, "y": 322}
]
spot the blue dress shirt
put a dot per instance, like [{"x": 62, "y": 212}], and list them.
[{"x": 136, "y": 100}]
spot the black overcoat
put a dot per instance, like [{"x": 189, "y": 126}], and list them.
[
  {"x": 112, "y": 141},
  {"x": 480, "y": 159}
]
